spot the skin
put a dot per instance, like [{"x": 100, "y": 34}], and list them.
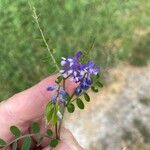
[{"x": 28, "y": 106}]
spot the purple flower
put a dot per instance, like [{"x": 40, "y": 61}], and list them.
[
  {"x": 72, "y": 67},
  {"x": 84, "y": 85},
  {"x": 54, "y": 99},
  {"x": 91, "y": 68},
  {"x": 78, "y": 72},
  {"x": 51, "y": 88},
  {"x": 62, "y": 92},
  {"x": 61, "y": 96},
  {"x": 67, "y": 66},
  {"x": 78, "y": 91},
  {"x": 78, "y": 55}
]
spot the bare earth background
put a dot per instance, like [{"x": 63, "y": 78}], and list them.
[{"x": 118, "y": 117}]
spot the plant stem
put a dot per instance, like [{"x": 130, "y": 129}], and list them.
[
  {"x": 56, "y": 131},
  {"x": 63, "y": 109},
  {"x": 73, "y": 94},
  {"x": 44, "y": 40},
  {"x": 60, "y": 123},
  {"x": 27, "y": 135}
]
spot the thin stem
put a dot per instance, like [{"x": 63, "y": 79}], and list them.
[
  {"x": 56, "y": 128},
  {"x": 61, "y": 121},
  {"x": 43, "y": 37},
  {"x": 77, "y": 97},
  {"x": 27, "y": 135},
  {"x": 63, "y": 108},
  {"x": 64, "y": 84},
  {"x": 73, "y": 100},
  {"x": 73, "y": 94},
  {"x": 56, "y": 131}
]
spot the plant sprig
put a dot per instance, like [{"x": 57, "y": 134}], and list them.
[
  {"x": 35, "y": 16},
  {"x": 35, "y": 132},
  {"x": 83, "y": 72}
]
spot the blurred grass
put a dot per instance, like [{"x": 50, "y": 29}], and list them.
[
  {"x": 141, "y": 51},
  {"x": 68, "y": 26}
]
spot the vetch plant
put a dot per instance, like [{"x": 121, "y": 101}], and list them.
[
  {"x": 85, "y": 75},
  {"x": 79, "y": 69}
]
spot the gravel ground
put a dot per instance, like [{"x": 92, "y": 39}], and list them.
[{"x": 118, "y": 117}]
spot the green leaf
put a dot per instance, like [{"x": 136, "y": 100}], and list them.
[
  {"x": 86, "y": 97},
  {"x": 68, "y": 98},
  {"x": 14, "y": 147},
  {"x": 98, "y": 76},
  {"x": 99, "y": 84},
  {"x": 80, "y": 104},
  {"x": 35, "y": 128},
  {"x": 59, "y": 79},
  {"x": 70, "y": 108},
  {"x": 94, "y": 89},
  {"x": 54, "y": 117},
  {"x": 26, "y": 143},
  {"x": 86, "y": 53},
  {"x": 43, "y": 45},
  {"x": 49, "y": 111},
  {"x": 50, "y": 115},
  {"x": 2, "y": 143},
  {"x": 53, "y": 50},
  {"x": 38, "y": 38},
  {"x": 49, "y": 132},
  {"x": 53, "y": 143},
  {"x": 15, "y": 131}
]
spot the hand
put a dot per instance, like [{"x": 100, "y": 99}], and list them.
[{"x": 28, "y": 106}]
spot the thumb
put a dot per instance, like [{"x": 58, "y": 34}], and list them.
[{"x": 27, "y": 106}]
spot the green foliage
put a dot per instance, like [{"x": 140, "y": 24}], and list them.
[
  {"x": 141, "y": 52},
  {"x": 54, "y": 117},
  {"x": 80, "y": 103},
  {"x": 54, "y": 143},
  {"x": 94, "y": 89},
  {"x": 14, "y": 147},
  {"x": 49, "y": 111},
  {"x": 70, "y": 107},
  {"x": 68, "y": 26},
  {"x": 86, "y": 52},
  {"x": 86, "y": 97},
  {"x": 96, "y": 81},
  {"x": 68, "y": 98},
  {"x": 2, "y": 143},
  {"x": 59, "y": 79},
  {"x": 26, "y": 143},
  {"x": 15, "y": 131},
  {"x": 49, "y": 132},
  {"x": 99, "y": 84},
  {"x": 35, "y": 127}
]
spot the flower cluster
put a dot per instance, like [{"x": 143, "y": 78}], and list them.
[
  {"x": 61, "y": 95},
  {"x": 72, "y": 68},
  {"x": 78, "y": 72}
]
